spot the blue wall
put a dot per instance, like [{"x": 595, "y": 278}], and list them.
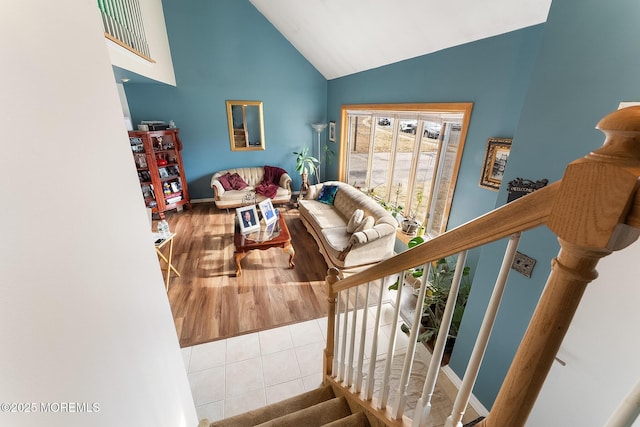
[
  {"x": 492, "y": 73},
  {"x": 587, "y": 63},
  {"x": 547, "y": 86},
  {"x": 222, "y": 50}
]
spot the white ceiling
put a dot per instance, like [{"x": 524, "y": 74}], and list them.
[{"x": 342, "y": 37}]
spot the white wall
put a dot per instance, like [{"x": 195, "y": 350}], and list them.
[
  {"x": 601, "y": 350},
  {"x": 156, "y": 34},
  {"x": 124, "y": 104},
  {"x": 83, "y": 312}
]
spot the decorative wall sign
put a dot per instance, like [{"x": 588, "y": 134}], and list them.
[
  {"x": 521, "y": 187},
  {"x": 495, "y": 162}
]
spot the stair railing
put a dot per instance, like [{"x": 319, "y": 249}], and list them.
[
  {"x": 123, "y": 24},
  {"x": 594, "y": 210}
]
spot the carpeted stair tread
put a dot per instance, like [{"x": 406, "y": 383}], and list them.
[
  {"x": 278, "y": 409},
  {"x": 358, "y": 419},
  {"x": 313, "y": 416}
]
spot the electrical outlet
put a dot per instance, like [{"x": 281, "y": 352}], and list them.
[{"x": 523, "y": 264}]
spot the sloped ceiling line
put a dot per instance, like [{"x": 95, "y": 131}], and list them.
[{"x": 342, "y": 37}]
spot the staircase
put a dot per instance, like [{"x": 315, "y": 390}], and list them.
[
  {"x": 319, "y": 407},
  {"x": 594, "y": 210}
]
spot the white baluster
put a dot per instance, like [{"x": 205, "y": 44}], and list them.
[
  {"x": 371, "y": 380},
  {"x": 363, "y": 335},
  {"x": 336, "y": 338},
  {"x": 384, "y": 389},
  {"x": 344, "y": 337},
  {"x": 352, "y": 342},
  {"x": 423, "y": 406},
  {"x": 401, "y": 398},
  {"x": 628, "y": 411},
  {"x": 471, "y": 373}
]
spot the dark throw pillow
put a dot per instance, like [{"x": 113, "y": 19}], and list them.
[
  {"x": 224, "y": 180},
  {"x": 328, "y": 194},
  {"x": 237, "y": 182}
]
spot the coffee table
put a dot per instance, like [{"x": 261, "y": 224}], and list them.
[{"x": 280, "y": 238}]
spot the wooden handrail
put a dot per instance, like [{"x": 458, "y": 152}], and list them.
[
  {"x": 594, "y": 210},
  {"x": 593, "y": 201},
  {"x": 521, "y": 214}
]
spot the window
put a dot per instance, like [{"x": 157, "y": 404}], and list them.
[{"x": 406, "y": 155}]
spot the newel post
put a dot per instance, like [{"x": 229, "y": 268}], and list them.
[
  {"x": 327, "y": 360},
  {"x": 588, "y": 217}
]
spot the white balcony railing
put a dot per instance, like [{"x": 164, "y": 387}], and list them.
[{"x": 123, "y": 24}]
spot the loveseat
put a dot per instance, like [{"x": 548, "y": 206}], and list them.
[
  {"x": 348, "y": 240},
  {"x": 229, "y": 191}
]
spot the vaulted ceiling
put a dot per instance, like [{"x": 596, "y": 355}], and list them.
[{"x": 342, "y": 37}]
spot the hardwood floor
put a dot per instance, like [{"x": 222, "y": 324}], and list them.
[{"x": 208, "y": 302}]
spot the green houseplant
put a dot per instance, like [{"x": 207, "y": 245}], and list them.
[
  {"x": 410, "y": 224},
  {"x": 305, "y": 165},
  {"x": 394, "y": 209},
  {"x": 438, "y": 287}
]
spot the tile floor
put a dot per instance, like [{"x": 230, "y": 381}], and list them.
[{"x": 235, "y": 375}]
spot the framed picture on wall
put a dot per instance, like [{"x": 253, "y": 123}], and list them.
[
  {"x": 332, "y": 131},
  {"x": 495, "y": 162}
]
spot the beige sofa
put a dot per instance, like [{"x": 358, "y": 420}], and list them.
[
  {"x": 253, "y": 176},
  {"x": 329, "y": 225}
]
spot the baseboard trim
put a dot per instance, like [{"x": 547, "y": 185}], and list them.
[
  {"x": 207, "y": 200},
  {"x": 211, "y": 199},
  {"x": 473, "y": 401}
]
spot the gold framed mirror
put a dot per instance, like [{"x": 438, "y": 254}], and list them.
[{"x": 246, "y": 128}]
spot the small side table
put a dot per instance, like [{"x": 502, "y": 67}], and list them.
[{"x": 167, "y": 259}]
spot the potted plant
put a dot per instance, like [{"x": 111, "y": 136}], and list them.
[
  {"x": 438, "y": 286},
  {"x": 410, "y": 225},
  {"x": 394, "y": 209},
  {"x": 305, "y": 165}
]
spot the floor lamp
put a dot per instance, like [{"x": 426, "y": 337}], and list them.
[{"x": 319, "y": 127}]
